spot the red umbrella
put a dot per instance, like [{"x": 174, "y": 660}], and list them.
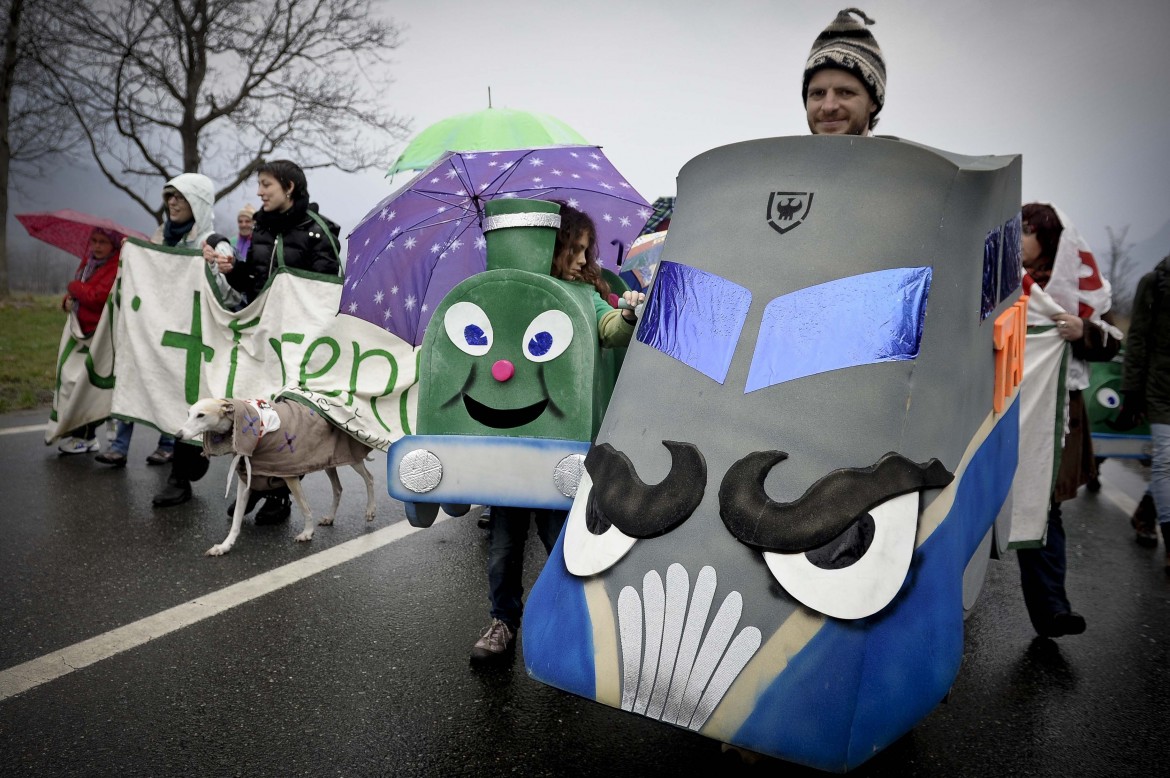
[{"x": 70, "y": 230}]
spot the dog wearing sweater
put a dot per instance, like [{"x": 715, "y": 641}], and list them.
[{"x": 272, "y": 444}]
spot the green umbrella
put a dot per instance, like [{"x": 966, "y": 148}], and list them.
[{"x": 492, "y": 129}]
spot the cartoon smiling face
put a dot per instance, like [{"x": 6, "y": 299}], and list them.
[
  {"x": 506, "y": 359},
  {"x": 772, "y": 552}
]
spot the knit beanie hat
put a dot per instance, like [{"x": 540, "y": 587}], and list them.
[
  {"x": 247, "y": 210},
  {"x": 847, "y": 45}
]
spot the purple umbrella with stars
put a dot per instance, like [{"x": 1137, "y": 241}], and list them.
[{"x": 421, "y": 241}]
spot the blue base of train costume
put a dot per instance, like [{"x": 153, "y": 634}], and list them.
[{"x": 805, "y": 455}]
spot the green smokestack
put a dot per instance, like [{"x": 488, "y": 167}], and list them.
[{"x": 521, "y": 234}]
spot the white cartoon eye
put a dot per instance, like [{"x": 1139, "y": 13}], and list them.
[
  {"x": 587, "y": 553},
  {"x": 1108, "y": 398},
  {"x": 469, "y": 328},
  {"x": 547, "y": 336},
  {"x": 864, "y": 587}
]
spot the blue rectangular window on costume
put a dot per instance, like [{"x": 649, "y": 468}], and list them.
[
  {"x": 1010, "y": 269},
  {"x": 990, "y": 296},
  {"x": 860, "y": 320},
  {"x": 695, "y": 317}
]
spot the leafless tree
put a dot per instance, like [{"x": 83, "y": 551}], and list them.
[
  {"x": 34, "y": 125},
  {"x": 1120, "y": 269},
  {"x": 161, "y": 87}
]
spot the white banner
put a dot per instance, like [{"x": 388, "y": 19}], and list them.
[
  {"x": 174, "y": 342},
  {"x": 1042, "y": 418},
  {"x": 85, "y": 377}
]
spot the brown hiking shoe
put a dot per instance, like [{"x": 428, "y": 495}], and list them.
[
  {"x": 1143, "y": 521},
  {"x": 497, "y": 641}
]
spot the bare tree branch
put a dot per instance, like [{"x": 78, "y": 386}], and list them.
[
  {"x": 160, "y": 87},
  {"x": 1120, "y": 269}
]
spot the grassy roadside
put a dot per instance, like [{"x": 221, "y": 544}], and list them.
[{"x": 30, "y": 331}]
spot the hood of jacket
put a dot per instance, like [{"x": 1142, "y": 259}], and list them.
[{"x": 200, "y": 193}]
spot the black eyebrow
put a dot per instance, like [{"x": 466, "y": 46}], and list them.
[{"x": 825, "y": 510}]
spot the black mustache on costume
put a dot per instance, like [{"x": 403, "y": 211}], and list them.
[{"x": 825, "y": 510}]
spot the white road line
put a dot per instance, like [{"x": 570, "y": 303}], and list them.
[
  {"x": 35, "y": 672},
  {"x": 21, "y": 430},
  {"x": 1124, "y": 502}
]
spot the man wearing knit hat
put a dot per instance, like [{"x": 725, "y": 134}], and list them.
[{"x": 844, "y": 78}]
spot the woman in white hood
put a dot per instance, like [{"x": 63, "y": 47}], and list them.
[{"x": 188, "y": 221}]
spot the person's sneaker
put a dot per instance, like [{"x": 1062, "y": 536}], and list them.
[
  {"x": 497, "y": 641},
  {"x": 276, "y": 509},
  {"x": 78, "y": 446},
  {"x": 176, "y": 492}
]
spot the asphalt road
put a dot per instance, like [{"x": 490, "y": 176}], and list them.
[{"x": 124, "y": 651}]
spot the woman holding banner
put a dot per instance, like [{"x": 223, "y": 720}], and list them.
[
  {"x": 288, "y": 232},
  {"x": 1061, "y": 270},
  {"x": 84, "y": 300}
]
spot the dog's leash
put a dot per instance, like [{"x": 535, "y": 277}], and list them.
[{"x": 232, "y": 471}]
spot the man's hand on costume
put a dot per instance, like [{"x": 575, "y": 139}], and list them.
[{"x": 1133, "y": 410}]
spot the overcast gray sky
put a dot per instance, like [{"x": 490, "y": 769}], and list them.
[{"x": 1079, "y": 88}]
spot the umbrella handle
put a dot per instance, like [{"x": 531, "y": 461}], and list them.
[{"x": 621, "y": 251}]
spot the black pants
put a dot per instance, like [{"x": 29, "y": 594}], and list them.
[
  {"x": 1042, "y": 572},
  {"x": 189, "y": 463}
]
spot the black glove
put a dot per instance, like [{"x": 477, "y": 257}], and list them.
[{"x": 1133, "y": 410}]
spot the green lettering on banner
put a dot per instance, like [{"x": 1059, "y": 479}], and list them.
[
  {"x": 288, "y": 337},
  {"x": 193, "y": 344},
  {"x": 305, "y": 375},
  {"x": 403, "y": 414},
  {"x": 95, "y": 378},
  {"x": 65, "y": 352},
  {"x": 237, "y": 328},
  {"x": 358, "y": 357}
]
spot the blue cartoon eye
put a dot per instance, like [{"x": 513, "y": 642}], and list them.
[
  {"x": 1108, "y": 398},
  {"x": 548, "y": 336},
  {"x": 469, "y": 328},
  {"x": 474, "y": 335}
]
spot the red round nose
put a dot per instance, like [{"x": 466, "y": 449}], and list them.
[{"x": 503, "y": 370}]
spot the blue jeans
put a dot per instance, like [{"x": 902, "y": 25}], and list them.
[
  {"x": 507, "y": 535},
  {"x": 1042, "y": 572},
  {"x": 121, "y": 444},
  {"x": 1160, "y": 471}
]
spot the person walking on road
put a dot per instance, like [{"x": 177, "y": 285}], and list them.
[
  {"x": 84, "y": 299},
  {"x": 1145, "y": 384},
  {"x": 574, "y": 260},
  {"x": 1057, "y": 262}
]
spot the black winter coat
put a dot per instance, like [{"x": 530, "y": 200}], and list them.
[
  {"x": 1147, "y": 346},
  {"x": 305, "y": 246}
]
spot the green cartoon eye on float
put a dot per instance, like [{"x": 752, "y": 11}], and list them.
[{"x": 513, "y": 383}]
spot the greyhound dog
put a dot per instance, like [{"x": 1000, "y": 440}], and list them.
[{"x": 279, "y": 441}]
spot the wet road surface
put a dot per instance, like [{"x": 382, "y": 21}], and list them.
[{"x": 349, "y": 655}]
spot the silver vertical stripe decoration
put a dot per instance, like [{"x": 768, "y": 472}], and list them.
[{"x": 672, "y": 669}]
